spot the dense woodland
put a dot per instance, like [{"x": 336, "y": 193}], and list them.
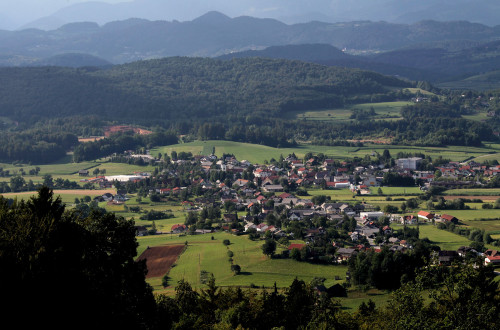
[{"x": 248, "y": 100}]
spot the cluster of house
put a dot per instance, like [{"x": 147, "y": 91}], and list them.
[
  {"x": 119, "y": 198},
  {"x": 457, "y": 171},
  {"x": 446, "y": 258},
  {"x": 424, "y": 216}
]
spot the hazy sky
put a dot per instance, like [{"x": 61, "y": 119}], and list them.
[{"x": 23, "y": 11}]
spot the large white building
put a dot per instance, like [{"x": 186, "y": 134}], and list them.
[
  {"x": 371, "y": 215},
  {"x": 409, "y": 163}
]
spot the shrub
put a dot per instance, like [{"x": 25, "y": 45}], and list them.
[{"x": 226, "y": 242}]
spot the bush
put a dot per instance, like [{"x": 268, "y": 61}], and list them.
[{"x": 226, "y": 242}]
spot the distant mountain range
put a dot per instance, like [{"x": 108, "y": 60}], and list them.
[
  {"x": 437, "y": 62},
  {"x": 215, "y": 34},
  {"x": 426, "y": 50},
  {"x": 290, "y": 11}
]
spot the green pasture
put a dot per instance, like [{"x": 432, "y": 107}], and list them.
[
  {"x": 355, "y": 297},
  {"x": 397, "y": 191},
  {"x": 67, "y": 197},
  {"x": 445, "y": 239},
  {"x": 203, "y": 253},
  {"x": 489, "y": 226},
  {"x": 121, "y": 168},
  {"x": 383, "y": 110},
  {"x": 474, "y": 214},
  {"x": 259, "y": 154},
  {"x": 473, "y": 192},
  {"x": 420, "y": 91},
  {"x": 257, "y": 270},
  {"x": 55, "y": 169},
  {"x": 65, "y": 168}
]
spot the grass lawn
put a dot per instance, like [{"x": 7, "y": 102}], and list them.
[{"x": 445, "y": 239}]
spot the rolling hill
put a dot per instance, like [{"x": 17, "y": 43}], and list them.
[{"x": 180, "y": 88}]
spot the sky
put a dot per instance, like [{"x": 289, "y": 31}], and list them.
[{"x": 20, "y": 12}]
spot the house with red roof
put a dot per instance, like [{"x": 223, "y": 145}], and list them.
[
  {"x": 449, "y": 218},
  {"x": 179, "y": 228},
  {"x": 427, "y": 216},
  {"x": 492, "y": 257}
]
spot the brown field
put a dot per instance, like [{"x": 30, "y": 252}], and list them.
[
  {"x": 90, "y": 139},
  {"x": 484, "y": 198},
  {"x": 123, "y": 128},
  {"x": 159, "y": 259}
]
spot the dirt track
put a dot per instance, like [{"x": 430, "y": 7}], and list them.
[{"x": 159, "y": 259}]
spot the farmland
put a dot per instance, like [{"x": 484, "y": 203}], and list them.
[
  {"x": 259, "y": 154},
  {"x": 160, "y": 259},
  {"x": 383, "y": 110},
  {"x": 257, "y": 271}
]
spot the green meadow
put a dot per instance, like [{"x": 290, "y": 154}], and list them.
[
  {"x": 383, "y": 110},
  {"x": 474, "y": 192},
  {"x": 259, "y": 154},
  {"x": 209, "y": 255},
  {"x": 445, "y": 239},
  {"x": 257, "y": 270}
]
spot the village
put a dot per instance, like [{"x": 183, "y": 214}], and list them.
[{"x": 271, "y": 200}]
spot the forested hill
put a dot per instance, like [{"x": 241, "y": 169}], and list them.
[
  {"x": 434, "y": 62},
  {"x": 179, "y": 88}
]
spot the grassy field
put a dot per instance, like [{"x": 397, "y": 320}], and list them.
[
  {"x": 383, "y": 110},
  {"x": 445, "y": 239},
  {"x": 203, "y": 253},
  {"x": 257, "y": 270},
  {"x": 259, "y": 154},
  {"x": 474, "y": 192},
  {"x": 470, "y": 215}
]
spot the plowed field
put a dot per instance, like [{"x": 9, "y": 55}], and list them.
[{"x": 159, "y": 259}]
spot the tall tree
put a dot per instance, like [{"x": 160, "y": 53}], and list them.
[{"x": 57, "y": 265}]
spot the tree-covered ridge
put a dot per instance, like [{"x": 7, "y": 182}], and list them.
[
  {"x": 246, "y": 100},
  {"x": 182, "y": 87}
]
